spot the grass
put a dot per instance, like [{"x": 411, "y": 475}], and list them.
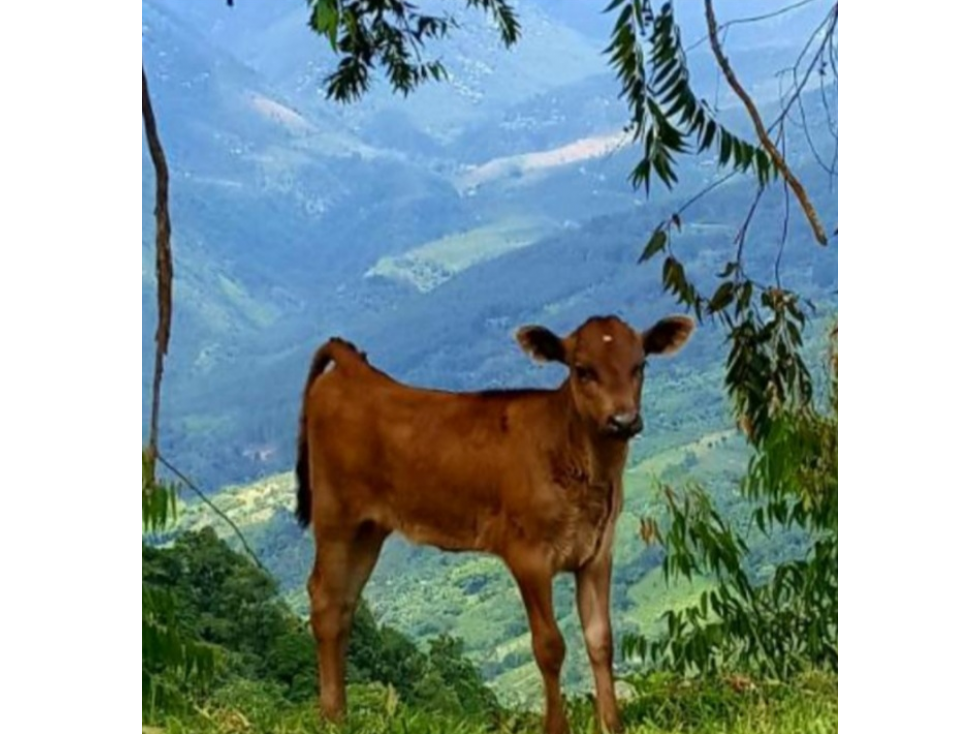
[{"x": 660, "y": 704}]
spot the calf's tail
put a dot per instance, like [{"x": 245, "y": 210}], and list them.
[{"x": 304, "y": 495}]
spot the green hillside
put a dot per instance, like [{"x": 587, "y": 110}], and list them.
[{"x": 264, "y": 677}]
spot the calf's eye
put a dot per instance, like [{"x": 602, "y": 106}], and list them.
[{"x": 585, "y": 374}]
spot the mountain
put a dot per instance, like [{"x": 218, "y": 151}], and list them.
[
  {"x": 279, "y": 209},
  {"x": 295, "y": 219},
  {"x": 275, "y": 40},
  {"x": 272, "y": 204}
]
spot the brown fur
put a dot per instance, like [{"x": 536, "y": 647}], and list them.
[{"x": 531, "y": 476}]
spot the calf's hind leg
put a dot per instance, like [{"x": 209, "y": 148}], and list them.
[{"x": 344, "y": 562}]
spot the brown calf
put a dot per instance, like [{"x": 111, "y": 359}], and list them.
[{"x": 532, "y": 476}]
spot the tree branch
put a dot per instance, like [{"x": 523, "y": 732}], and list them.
[
  {"x": 164, "y": 262},
  {"x": 766, "y": 142},
  {"x": 217, "y": 510},
  {"x": 752, "y": 19}
]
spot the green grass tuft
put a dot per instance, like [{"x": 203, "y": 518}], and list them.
[{"x": 661, "y": 704}]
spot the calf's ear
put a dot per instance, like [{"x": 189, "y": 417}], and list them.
[
  {"x": 541, "y": 344},
  {"x": 668, "y": 335}
]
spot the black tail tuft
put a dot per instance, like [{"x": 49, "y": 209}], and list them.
[
  {"x": 304, "y": 496},
  {"x": 304, "y": 492}
]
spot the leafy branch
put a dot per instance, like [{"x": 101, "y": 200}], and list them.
[
  {"x": 173, "y": 659},
  {"x": 668, "y": 119},
  {"x": 391, "y": 34},
  {"x": 159, "y": 498},
  {"x": 786, "y": 621}
]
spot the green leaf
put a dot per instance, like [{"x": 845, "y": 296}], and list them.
[
  {"x": 655, "y": 244},
  {"x": 726, "y": 143},
  {"x": 710, "y": 129},
  {"x": 723, "y": 297},
  {"x": 326, "y": 20}
]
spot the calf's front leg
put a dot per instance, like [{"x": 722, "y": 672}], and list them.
[
  {"x": 536, "y": 590},
  {"x": 593, "y": 584}
]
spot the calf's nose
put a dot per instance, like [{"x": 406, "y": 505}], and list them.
[{"x": 627, "y": 423}]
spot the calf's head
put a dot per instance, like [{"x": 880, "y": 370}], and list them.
[{"x": 607, "y": 360}]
